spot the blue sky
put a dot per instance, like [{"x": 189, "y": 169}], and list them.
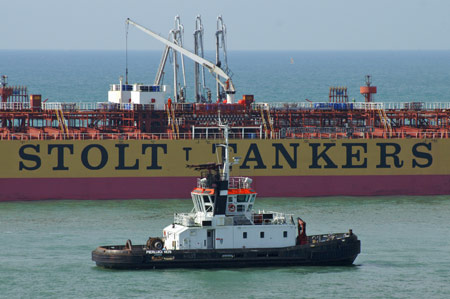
[{"x": 252, "y": 25}]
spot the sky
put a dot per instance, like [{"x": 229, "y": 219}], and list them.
[{"x": 251, "y": 25}]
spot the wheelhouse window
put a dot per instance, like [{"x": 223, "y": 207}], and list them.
[
  {"x": 240, "y": 208},
  {"x": 252, "y": 197},
  {"x": 285, "y": 234},
  {"x": 244, "y": 235},
  {"x": 242, "y": 198},
  {"x": 200, "y": 204},
  {"x": 208, "y": 203},
  {"x": 249, "y": 208},
  {"x": 261, "y": 235}
]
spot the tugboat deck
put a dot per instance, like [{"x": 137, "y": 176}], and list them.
[{"x": 329, "y": 250}]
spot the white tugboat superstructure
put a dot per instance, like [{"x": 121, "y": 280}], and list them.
[{"x": 223, "y": 215}]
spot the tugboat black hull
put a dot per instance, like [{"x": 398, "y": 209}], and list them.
[{"x": 330, "y": 252}]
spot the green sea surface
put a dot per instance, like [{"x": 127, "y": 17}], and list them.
[
  {"x": 46, "y": 250},
  {"x": 45, "y": 246}
]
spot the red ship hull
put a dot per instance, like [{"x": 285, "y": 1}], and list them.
[{"x": 178, "y": 187}]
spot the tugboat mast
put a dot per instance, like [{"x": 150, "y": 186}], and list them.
[{"x": 226, "y": 163}]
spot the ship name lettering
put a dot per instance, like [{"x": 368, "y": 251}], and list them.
[
  {"x": 351, "y": 154},
  {"x": 60, "y": 154},
  {"x": 154, "y": 158},
  {"x": 103, "y": 155},
  {"x": 122, "y": 166},
  {"x": 253, "y": 155},
  {"x": 422, "y": 155},
  {"x": 323, "y": 155},
  {"x": 29, "y": 157},
  {"x": 279, "y": 148},
  {"x": 392, "y": 154},
  {"x": 187, "y": 149}
]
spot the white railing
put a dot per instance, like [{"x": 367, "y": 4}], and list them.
[
  {"x": 235, "y": 132},
  {"x": 80, "y": 106},
  {"x": 239, "y": 182},
  {"x": 15, "y": 106},
  {"x": 86, "y": 106},
  {"x": 354, "y": 105},
  {"x": 277, "y": 218},
  {"x": 191, "y": 107},
  {"x": 184, "y": 136},
  {"x": 185, "y": 219}
]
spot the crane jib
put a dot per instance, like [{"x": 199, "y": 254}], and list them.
[{"x": 194, "y": 57}]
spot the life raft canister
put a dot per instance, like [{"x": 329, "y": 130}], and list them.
[{"x": 231, "y": 208}]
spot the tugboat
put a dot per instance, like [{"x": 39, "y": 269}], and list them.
[{"x": 223, "y": 231}]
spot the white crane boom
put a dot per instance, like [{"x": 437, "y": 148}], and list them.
[{"x": 228, "y": 85}]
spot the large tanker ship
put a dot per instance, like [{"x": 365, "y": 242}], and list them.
[{"x": 137, "y": 144}]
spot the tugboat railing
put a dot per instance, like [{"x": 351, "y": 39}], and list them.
[
  {"x": 239, "y": 183},
  {"x": 185, "y": 219},
  {"x": 273, "y": 219},
  {"x": 327, "y": 237}
]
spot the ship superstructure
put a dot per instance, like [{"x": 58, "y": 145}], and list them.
[{"x": 223, "y": 215}]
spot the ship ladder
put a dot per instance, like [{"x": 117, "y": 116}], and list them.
[
  {"x": 388, "y": 122},
  {"x": 385, "y": 120},
  {"x": 174, "y": 121},
  {"x": 61, "y": 121},
  {"x": 263, "y": 119},
  {"x": 269, "y": 120},
  {"x": 171, "y": 118}
]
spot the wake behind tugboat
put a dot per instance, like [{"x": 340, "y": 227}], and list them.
[{"x": 224, "y": 231}]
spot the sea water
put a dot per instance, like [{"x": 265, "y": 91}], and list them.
[
  {"x": 282, "y": 76},
  {"x": 45, "y": 246},
  {"x": 405, "y": 250}
]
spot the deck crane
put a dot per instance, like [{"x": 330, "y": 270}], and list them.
[
  {"x": 198, "y": 50},
  {"x": 221, "y": 32},
  {"x": 177, "y": 37},
  {"x": 227, "y": 85}
]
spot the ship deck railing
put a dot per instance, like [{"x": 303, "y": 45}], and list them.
[
  {"x": 413, "y": 105},
  {"x": 98, "y": 106},
  {"x": 326, "y": 237},
  {"x": 6, "y": 135},
  {"x": 185, "y": 219},
  {"x": 239, "y": 182},
  {"x": 272, "y": 218},
  {"x": 76, "y": 106},
  {"x": 233, "y": 183},
  {"x": 191, "y": 107}
]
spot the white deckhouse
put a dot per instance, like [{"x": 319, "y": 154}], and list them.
[{"x": 223, "y": 215}]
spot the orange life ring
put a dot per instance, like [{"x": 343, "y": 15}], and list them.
[{"x": 231, "y": 208}]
